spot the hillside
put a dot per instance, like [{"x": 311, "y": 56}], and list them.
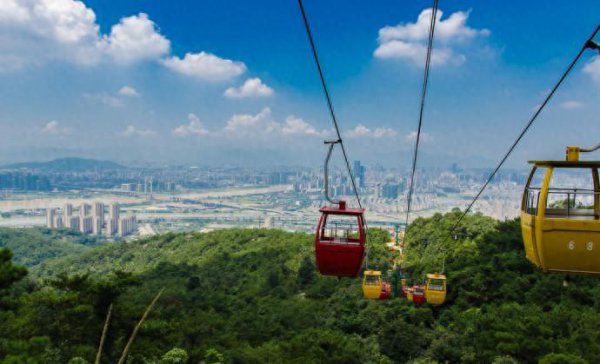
[
  {"x": 31, "y": 247},
  {"x": 66, "y": 165},
  {"x": 253, "y": 296}
]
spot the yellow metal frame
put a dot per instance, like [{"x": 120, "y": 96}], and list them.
[
  {"x": 371, "y": 290},
  {"x": 562, "y": 244}
]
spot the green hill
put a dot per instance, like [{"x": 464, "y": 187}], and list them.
[
  {"x": 253, "y": 296},
  {"x": 32, "y": 247}
]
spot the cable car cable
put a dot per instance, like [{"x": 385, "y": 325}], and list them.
[
  {"x": 434, "y": 11},
  {"x": 328, "y": 98},
  {"x": 339, "y": 140},
  {"x": 589, "y": 44}
]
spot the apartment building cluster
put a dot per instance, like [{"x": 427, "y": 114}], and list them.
[{"x": 92, "y": 219}]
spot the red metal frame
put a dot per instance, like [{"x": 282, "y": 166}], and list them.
[{"x": 340, "y": 257}]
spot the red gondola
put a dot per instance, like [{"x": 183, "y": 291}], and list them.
[
  {"x": 340, "y": 241},
  {"x": 386, "y": 291},
  {"x": 418, "y": 295}
]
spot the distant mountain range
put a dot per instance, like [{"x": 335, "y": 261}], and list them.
[{"x": 66, "y": 165}]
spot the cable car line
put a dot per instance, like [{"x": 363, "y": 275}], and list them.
[
  {"x": 329, "y": 102},
  {"x": 589, "y": 44},
  {"x": 335, "y": 255},
  {"x": 421, "y": 111}
]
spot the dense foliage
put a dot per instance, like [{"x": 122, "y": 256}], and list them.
[
  {"x": 253, "y": 296},
  {"x": 32, "y": 247}
]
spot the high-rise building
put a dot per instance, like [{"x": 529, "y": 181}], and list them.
[
  {"x": 50, "y": 218},
  {"x": 359, "y": 174},
  {"x": 67, "y": 213},
  {"x": 98, "y": 225},
  {"x": 98, "y": 210},
  {"x": 68, "y": 209},
  {"x": 127, "y": 225},
  {"x": 112, "y": 225},
  {"x": 85, "y": 210},
  {"x": 390, "y": 191},
  {"x": 113, "y": 210},
  {"x": 73, "y": 223},
  {"x": 86, "y": 224},
  {"x": 59, "y": 222}
]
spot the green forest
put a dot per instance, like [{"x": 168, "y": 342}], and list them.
[{"x": 255, "y": 296}]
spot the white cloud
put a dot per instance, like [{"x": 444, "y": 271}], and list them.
[
  {"x": 412, "y": 136},
  {"x": 205, "y": 66},
  {"x": 384, "y": 132},
  {"x": 253, "y": 87},
  {"x": 263, "y": 125},
  {"x": 132, "y": 131},
  {"x": 247, "y": 123},
  {"x": 105, "y": 98},
  {"x": 12, "y": 10},
  {"x": 37, "y": 31},
  {"x": 593, "y": 68},
  {"x": 361, "y": 131},
  {"x": 134, "y": 39},
  {"x": 296, "y": 126},
  {"x": 128, "y": 91},
  {"x": 53, "y": 128},
  {"x": 408, "y": 41},
  {"x": 571, "y": 104},
  {"x": 193, "y": 127}
]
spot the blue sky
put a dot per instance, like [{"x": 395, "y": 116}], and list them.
[{"x": 232, "y": 82}]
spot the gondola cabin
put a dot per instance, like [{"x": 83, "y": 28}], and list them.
[
  {"x": 372, "y": 284},
  {"x": 418, "y": 295},
  {"x": 435, "y": 290},
  {"x": 386, "y": 291},
  {"x": 340, "y": 241},
  {"x": 560, "y": 215},
  {"x": 404, "y": 287},
  {"x": 409, "y": 293}
]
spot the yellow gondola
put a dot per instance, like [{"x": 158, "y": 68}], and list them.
[
  {"x": 435, "y": 290},
  {"x": 409, "y": 294},
  {"x": 371, "y": 285},
  {"x": 561, "y": 225}
]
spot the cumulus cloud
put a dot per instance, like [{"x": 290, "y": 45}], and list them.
[
  {"x": 193, "y": 127},
  {"x": 264, "y": 125},
  {"x": 132, "y": 131},
  {"x": 205, "y": 66},
  {"x": 296, "y": 126},
  {"x": 134, "y": 39},
  {"x": 37, "y": 31},
  {"x": 248, "y": 123},
  {"x": 33, "y": 32},
  {"x": 593, "y": 68},
  {"x": 53, "y": 128},
  {"x": 408, "y": 41},
  {"x": 253, "y": 87},
  {"x": 571, "y": 104},
  {"x": 361, "y": 131},
  {"x": 128, "y": 91}
]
